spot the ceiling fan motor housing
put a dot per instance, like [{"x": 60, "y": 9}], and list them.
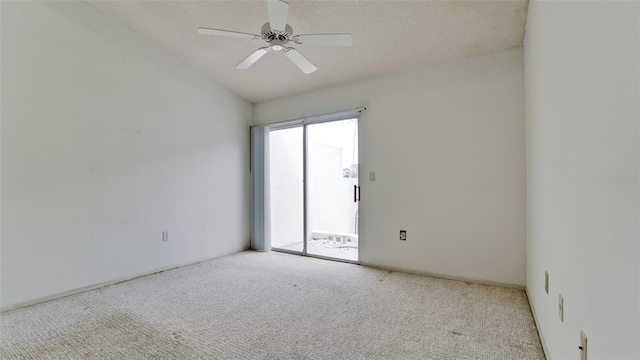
[{"x": 269, "y": 35}]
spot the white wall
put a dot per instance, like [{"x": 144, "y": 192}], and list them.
[
  {"x": 447, "y": 145},
  {"x": 106, "y": 141},
  {"x": 582, "y": 98}
]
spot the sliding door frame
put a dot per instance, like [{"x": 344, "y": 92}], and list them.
[
  {"x": 284, "y": 126},
  {"x": 303, "y": 122},
  {"x": 305, "y": 192}
]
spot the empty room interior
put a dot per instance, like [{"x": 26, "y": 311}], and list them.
[{"x": 320, "y": 179}]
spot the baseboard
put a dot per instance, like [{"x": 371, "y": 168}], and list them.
[
  {"x": 107, "y": 283},
  {"x": 441, "y": 276},
  {"x": 535, "y": 319}
]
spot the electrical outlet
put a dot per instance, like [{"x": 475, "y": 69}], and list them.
[
  {"x": 561, "y": 307},
  {"x": 546, "y": 282},
  {"x": 165, "y": 235},
  {"x": 403, "y": 235},
  {"x": 583, "y": 346}
]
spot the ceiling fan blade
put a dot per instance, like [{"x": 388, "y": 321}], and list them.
[
  {"x": 302, "y": 62},
  {"x": 325, "y": 39},
  {"x": 227, "y": 33},
  {"x": 278, "y": 14},
  {"x": 252, "y": 58}
]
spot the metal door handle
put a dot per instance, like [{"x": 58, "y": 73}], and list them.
[{"x": 356, "y": 193}]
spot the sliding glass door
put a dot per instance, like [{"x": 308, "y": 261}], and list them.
[
  {"x": 313, "y": 189},
  {"x": 332, "y": 188},
  {"x": 286, "y": 188}
]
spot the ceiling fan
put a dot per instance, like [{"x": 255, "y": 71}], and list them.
[{"x": 277, "y": 33}]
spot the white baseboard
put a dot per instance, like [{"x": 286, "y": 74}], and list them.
[
  {"x": 106, "y": 283},
  {"x": 458, "y": 278},
  {"x": 535, "y": 319}
]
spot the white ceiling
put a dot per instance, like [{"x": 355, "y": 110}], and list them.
[{"x": 388, "y": 36}]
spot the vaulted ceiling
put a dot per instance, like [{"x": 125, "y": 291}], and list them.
[{"x": 388, "y": 36}]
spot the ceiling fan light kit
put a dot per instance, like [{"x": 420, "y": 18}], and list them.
[{"x": 277, "y": 33}]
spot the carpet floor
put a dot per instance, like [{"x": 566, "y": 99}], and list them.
[{"x": 255, "y": 305}]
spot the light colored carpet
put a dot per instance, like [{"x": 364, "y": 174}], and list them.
[{"x": 277, "y": 306}]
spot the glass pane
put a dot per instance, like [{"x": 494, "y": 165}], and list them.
[
  {"x": 332, "y": 150},
  {"x": 286, "y": 188}
]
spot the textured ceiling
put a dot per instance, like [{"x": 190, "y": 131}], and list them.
[{"x": 388, "y": 36}]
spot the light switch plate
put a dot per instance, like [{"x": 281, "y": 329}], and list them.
[
  {"x": 561, "y": 307},
  {"x": 546, "y": 282}
]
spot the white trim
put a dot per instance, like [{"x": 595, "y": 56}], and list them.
[
  {"x": 441, "y": 276},
  {"x": 107, "y": 283},
  {"x": 535, "y": 319}
]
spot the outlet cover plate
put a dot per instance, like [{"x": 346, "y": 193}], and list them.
[{"x": 583, "y": 346}]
